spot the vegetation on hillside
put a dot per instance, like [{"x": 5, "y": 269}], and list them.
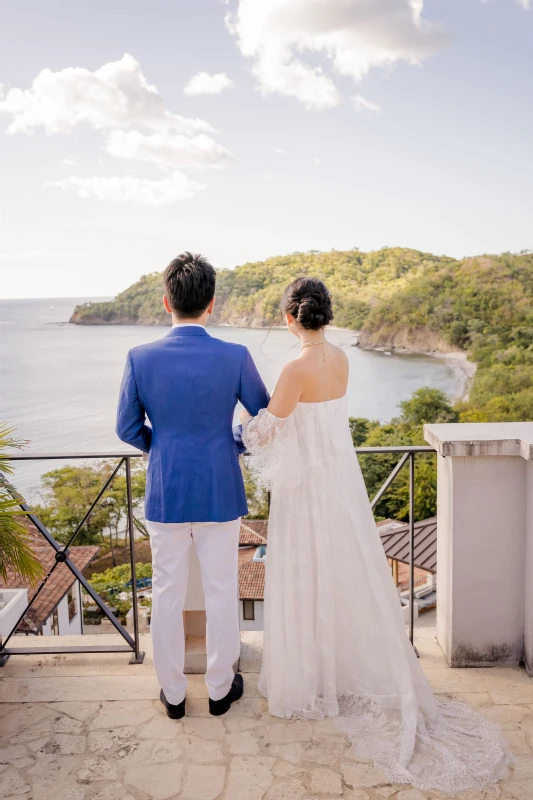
[
  {"x": 250, "y": 293},
  {"x": 484, "y": 306}
]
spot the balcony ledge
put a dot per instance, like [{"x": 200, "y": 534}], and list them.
[{"x": 481, "y": 439}]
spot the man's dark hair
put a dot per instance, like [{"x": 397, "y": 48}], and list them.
[{"x": 189, "y": 284}]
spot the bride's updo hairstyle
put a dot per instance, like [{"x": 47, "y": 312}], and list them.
[{"x": 309, "y": 302}]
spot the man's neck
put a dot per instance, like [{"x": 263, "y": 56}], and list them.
[{"x": 179, "y": 321}]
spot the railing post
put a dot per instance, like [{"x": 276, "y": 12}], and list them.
[
  {"x": 412, "y": 549},
  {"x": 137, "y": 657}
]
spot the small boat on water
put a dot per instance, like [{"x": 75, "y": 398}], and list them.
[{"x": 51, "y": 308}]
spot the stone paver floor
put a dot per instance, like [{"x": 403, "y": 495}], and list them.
[{"x": 91, "y": 728}]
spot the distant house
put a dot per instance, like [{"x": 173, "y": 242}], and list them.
[
  {"x": 394, "y": 537},
  {"x": 58, "y": 608},
  {"x": 252, "y": 556}
]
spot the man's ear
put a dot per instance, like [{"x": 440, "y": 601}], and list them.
[
  {"x": 211, "y": 306},
  {"x": 167, "y": 304}
]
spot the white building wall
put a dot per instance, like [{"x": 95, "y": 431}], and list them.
[
  {"x": 17, "y": 600},
  {"x": 256, "y": 624},
  {"x": 67, "y": 627}
]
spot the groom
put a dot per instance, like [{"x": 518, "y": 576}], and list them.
[{"x": 187, "y": 385}]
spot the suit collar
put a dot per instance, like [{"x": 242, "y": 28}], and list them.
[{"x": 188, "y": 330}]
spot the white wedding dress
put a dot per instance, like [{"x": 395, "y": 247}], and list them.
[{"x": 335, "y": 643}]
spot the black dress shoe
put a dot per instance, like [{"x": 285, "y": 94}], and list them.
[
  {"x": 219, "y": 707},
  {"x": 174, "y": 712}
]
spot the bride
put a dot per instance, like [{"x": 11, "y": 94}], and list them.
[{"x": 334, "y": 639}]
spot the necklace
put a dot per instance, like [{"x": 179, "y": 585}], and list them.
[{"x": 312, "y": 344}]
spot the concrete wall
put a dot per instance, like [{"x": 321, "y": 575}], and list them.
[
  {"x": 485, "y": 542},
  {"x": 528, "y": 614},
  {"x": 194, "y": 599},
  {"x": 481, "y": 556}
]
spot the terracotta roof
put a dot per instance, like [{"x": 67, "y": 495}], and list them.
[
  {"x": 395, "y": 539},
  {"x": 252, "y": 580},
  {"x": 246, "y": 552},
  {"x": 253, "y": 531},
  {"x": 57, "y": 584}
]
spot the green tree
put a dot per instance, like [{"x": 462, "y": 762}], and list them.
[
  {"x": 112, "y": 585},
  {"x": 68, "y": 493},
  {"x": 257, "y": 497},
  {"x": 360, "y": 428},
  {"x": 427, "y": 406}
]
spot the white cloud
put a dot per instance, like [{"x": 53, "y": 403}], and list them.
[
  {"x": 115, "y": 95},
  {"x": 279, "y": 151},
  {"x": 526, "y": 4},
  {"x": 168, "y": 149},
  {"x": 171, "y": 189},
  {"x": 362, "y": 104},
  {"x": 204, "y": 83},
  {"x": 317, "y": 160},
  {"x": 353, "y": 36}
]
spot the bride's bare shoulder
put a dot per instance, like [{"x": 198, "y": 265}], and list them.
[
  {"x": 293, "y": 370},
  {"x": 338, "y": 353}
]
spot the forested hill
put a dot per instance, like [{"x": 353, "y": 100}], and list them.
[
  {"x": 398, "y": 298},
  {"x": 249, "y": 295}
]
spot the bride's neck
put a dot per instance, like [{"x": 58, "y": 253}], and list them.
[{"x": 311, "y": 336}]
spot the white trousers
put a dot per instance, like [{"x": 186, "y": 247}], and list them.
[{"x": 217, "y": 546}]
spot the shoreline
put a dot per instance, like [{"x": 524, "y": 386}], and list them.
[{"x": 463, "y": 369}]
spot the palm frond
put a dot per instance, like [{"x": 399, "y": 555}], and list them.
[{"x": 16, "y": 554}]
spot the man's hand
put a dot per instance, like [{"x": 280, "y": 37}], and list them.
[{"x": 244, "y": 416}]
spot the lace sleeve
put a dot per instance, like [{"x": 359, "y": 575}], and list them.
[{"x": 265, "y": 438}]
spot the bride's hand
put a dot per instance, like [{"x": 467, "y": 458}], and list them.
[{"x": 244, "y": 416}]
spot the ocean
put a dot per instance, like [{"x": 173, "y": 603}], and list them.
[{"x": 59, "y": 382}]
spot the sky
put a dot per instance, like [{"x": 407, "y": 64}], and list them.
[{"x": 131, "y": 130}]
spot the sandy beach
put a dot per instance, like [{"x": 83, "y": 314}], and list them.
[{"x": 464, "y": 371}]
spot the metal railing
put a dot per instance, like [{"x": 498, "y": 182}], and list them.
[
  {"x": 62, "y": 556},
  {"x": 407, "y": 453}
]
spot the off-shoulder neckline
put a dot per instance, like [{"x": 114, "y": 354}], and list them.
[
  {"x": 313, "y": 403},
  {"x": 320, "y": 402}
]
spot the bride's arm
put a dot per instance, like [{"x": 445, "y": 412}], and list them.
[
  {"x": 286, "y": 395},
  {"x": 265, "y": 434}
]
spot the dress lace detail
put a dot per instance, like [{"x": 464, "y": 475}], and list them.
[
  {"x": 265, "y": 445},
  {"x": 334, "y": 639}
]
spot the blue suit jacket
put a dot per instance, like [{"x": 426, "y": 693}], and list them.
[{"x": 187, "y": 385}]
